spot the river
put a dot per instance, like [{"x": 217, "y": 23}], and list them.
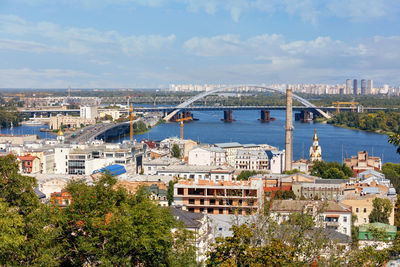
[{"x": 334, "y": 141}]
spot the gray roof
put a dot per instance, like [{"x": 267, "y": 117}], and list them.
[
  {"x": 39, "y": 193},
  {"x": 231, "y": 144},
  {"x": 189, "y": 219},
  {"x": 330, "y": 181}
]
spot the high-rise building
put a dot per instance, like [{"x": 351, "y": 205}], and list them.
[
  {"x": 363, "y": 86},
  {"x": 348, "y": 86},
  {"x": 355, "y": 88},
  {"x": 370, "y": 87}
]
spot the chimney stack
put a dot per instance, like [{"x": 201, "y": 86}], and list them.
[{"x": 289, "y": 131}]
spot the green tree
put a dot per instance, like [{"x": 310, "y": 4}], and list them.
[
  {"x": 392, "y": 172},
  {"x": 11, "y": 233},
  {"x": 245, "y": 175},
  {"x": 331, "y": 170},
  {"x": 176, "y": 151},
  {"x": 281, "y": 194},
  {"x": 382, "y": 208},
  {"x": 394, "y": 139},
  {"x": 16, "y": 189},
  {"x": 170, "y": 192}
]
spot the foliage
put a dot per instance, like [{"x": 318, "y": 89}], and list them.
[
  {"x": 379, "y": 121},
  {"x": 16, "y": 189},
  {"x": 241, "y": 250},
  {"x": 283, "y": 194},
  {"x": 139, "y": 127},
  {"x": 103, "y": 225},
  {"x": 245, "y": 175},
  {"x": 294, "y": 171},
  {"x": 183, "y": 253},
  {"x": 176, "y": 151},
  {"x": 392, "y": 172},
  {"x": 170, "y": 192},
  {"x": 394, "y": 139},
  {"x": 382, "y": 208},
  {"x": 331, "y": 170},
  {"x": 11, "y": 232},
  {"x": 368, "y": 256}
]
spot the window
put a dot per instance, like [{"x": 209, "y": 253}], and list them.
[
  {"x": 191, "y": 201},
  {"x": 180, "y": 191},
  {"x": 365, "y": 210},
  {"x": 345, "y": 229},
  {"x": 345, "y": 220},
  {"x": 365, "y": 220},
  {"x": 356, "y": 209}
]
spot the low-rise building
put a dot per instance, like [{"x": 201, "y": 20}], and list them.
[
  {"x": 210, "y": 173},
  {"x": 251, "y": 160},
  {"x": 207, "y": 156},
  {"x": 362, "y": 206},
  {"x": 69, "y": 122},
  {"x": 328, "y": 214},
  {"x": 378, "y": 235},
  {"x": 29, "y": 164},
  {"x": 198, "y": 223},
  {"x": 324, "y": 189},
  {"x": 363, "y": 162},
  {"x": 61, "y": 199}
]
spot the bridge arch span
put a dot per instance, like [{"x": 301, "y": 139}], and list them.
[{"x": 190, "y": 101}]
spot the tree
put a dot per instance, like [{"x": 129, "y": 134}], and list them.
[
  {"x": 170, "y": 192},
  {"x": 394, "y": 139},
  {"x": 176, "y": 151},
  {"x": 331, "y": 170},
  {"x": 245, "y": 175},
  {"x": 16, "y": 189},
  {"x": 242, "y": 250},
  {"x": 392, "y": 172},
  {"x": 280, "y": 194},
  {"x": 11, "y": 233},
  {"x": 382, "y": 208}
]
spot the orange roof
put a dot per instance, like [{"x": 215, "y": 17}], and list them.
[{"x": 27, "y": 157}]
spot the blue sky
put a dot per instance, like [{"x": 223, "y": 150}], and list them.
[{"x": 152, "y": 43}]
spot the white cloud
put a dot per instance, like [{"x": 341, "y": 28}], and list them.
[{"x": 55, "y": 38}]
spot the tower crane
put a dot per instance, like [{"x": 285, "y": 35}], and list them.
[
  {"x": 181, "y": 120},
  {"x": 352, "y": 103}
]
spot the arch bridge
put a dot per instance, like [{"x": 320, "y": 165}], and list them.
[{"x": 303, "y": 101}]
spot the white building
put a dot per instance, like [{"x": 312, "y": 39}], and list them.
[
  {"x": 328, "y": 214},
  {"x": 210, "y": 173},
  {"x": 251, "y": 160},
  {"x": 207, "y": 156},
  {"x": 88, "y": 112}
]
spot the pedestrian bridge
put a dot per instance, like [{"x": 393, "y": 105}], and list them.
[{"x": 204, "y": 94}]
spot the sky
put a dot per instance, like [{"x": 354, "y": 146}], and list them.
[{"x": 154, "y": 43}]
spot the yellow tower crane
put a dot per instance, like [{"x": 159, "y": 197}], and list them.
[
  {"x": 181, "y": 120},
  {"x": 352, "y": 103}
]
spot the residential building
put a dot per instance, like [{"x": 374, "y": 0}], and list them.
[
  {"x": 363, "y": 162},
  {"x": 52, "y": 185},
  {"x": 227, "y": 197},
  {"x": 366, "y": 235},
  {"x": 198, "y": 223},
  {"x": 68, "y": 121},
  {"x": 207, "y": 156},
  {"x": 251, "y": 160},
  {"x": 29, "y": 164},
  {"x": 61, "y": 199},
  {"x": 211, "y": 173},
  {"x": 88, "y": 112},
  {"x": 323, "y": 189},
  {"x": 362, "y": 206},
  {"x": 328, "y": 214}
]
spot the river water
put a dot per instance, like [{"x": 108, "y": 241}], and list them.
[{"x": 335, "y": 142}]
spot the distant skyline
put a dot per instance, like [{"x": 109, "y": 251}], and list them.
[{"x": 139, "y": 43}]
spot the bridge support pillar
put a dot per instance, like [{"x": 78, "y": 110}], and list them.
[
  {"x": 228, "y": 116},
  {"x": 304, "y": 116},
  {"x": 265, "y": 116}
]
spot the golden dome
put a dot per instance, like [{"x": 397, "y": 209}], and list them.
[{"x": 60, "y": 132}]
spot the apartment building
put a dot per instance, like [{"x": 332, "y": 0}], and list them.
[
  {"x": 228, "y": 197},
  {"x": 363, "y": 162},
  {"x": 251, "y": 160},
  {"x": 207, "y": 156},
  {"x": 327, "y": 214},
  {"x": 197, "y": 173}
]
